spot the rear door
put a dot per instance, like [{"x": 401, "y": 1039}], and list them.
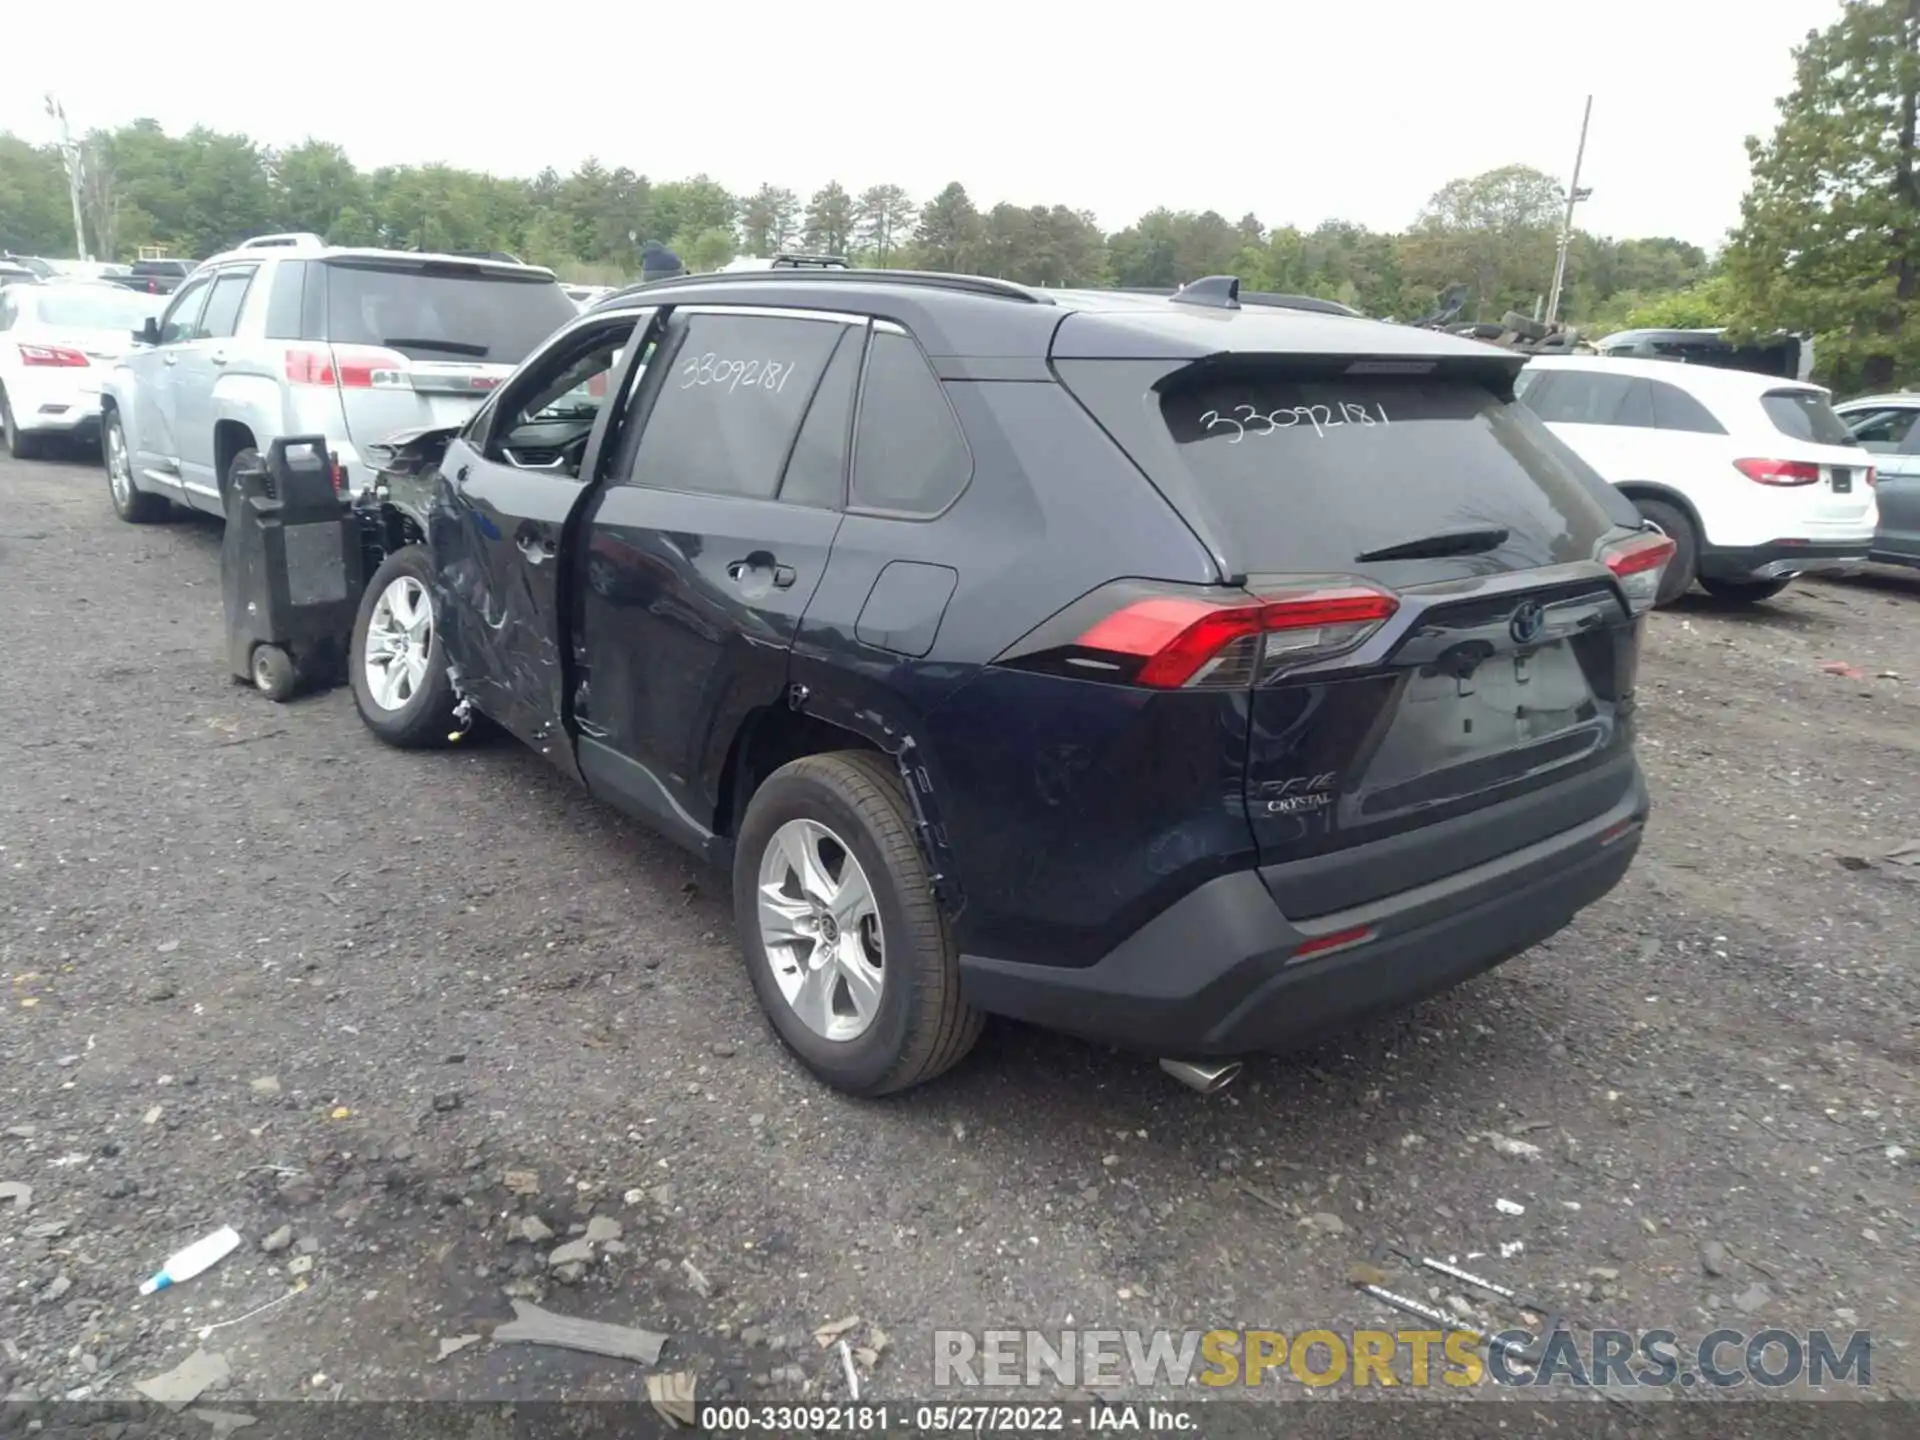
[
  {"x": 1496, "y": 694},
  {"x": 1814, "y": 435},
  {"x": 418, "y": 343},
  {"x": 507, "y": 489},
  {"x": 703, "y": 549}
]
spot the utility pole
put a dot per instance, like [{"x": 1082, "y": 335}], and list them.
[
  {"x": 70, "y": 151},
  {"x": 1574, "y": 196}
]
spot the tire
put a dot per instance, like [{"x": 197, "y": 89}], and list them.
[
  {"x": 21, "y": 444},
  {"x": 1744, "y": 592},
  {"x": 130, "y": 502},
  {"x": 240, "y": 457},
  {"x": 423, "y": 716},
  {"x": 1679, "y": 575},
  {"x": 274, "y": 675},
  {"x": 919, "y": 1025}
]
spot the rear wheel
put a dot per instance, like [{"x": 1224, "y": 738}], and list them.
[
  {"x": 21, "y": 444},
  {"x": 130, "y": 502},
  {"x": 1672, "y": 522},
  {"x": 849, "y": 954},
  {"x": 399, "y": 670},
  {"x": 1744, "y": 592}
]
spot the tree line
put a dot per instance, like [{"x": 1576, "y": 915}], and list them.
[
  {"x": 197, "y": 193},
  {"x": 1828, "y": 241}
]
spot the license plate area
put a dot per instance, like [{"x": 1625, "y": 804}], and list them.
[
  {"x": 1840, "y": 479},
  {"x": 1462, "y": 728}
]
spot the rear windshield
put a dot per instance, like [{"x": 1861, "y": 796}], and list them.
[
  {"x": 443, "y": 313},
  {"x": 107, "y": 308},
  {"x": 1305, "y": 474},
  {"x": 1806, "y": 415}
]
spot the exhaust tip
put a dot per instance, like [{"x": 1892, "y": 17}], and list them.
[{"x": 1209, "y": 1077}]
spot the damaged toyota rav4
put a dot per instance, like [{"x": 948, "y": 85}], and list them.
[{"x": 1195, "y": 673}]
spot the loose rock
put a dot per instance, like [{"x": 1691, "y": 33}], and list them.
[{"x": 279, "y": 1240}]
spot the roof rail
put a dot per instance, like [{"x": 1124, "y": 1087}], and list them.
[
  {"x": 795, "y": 260},
  {"x": 292, "y": 239},
  {"x": 1298, "y": 302},
  {"x": 985, "y": 285},
  {"x": 501, "y": 255}
]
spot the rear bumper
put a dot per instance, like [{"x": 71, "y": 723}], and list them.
[
  {"x": 60, "y": 404},
  {"x": 1778, "y": 558},
  {"x": 1215, "y": 975}
]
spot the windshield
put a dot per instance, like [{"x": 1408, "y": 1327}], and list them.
[
  {"x": 107, "y": 308},
  {"x": 444, "y": 313}
]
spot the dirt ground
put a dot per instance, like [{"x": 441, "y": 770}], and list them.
[{"x": 260, "y": 971}]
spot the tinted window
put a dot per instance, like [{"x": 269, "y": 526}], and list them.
[
  {"x": 1881, "y": 431},
  {"x": 184, "y": 313},
  {"x": 1805, "y": 415},
  {"x": 1307, "y": 474},
  {"x": 909, "y": 456},
  {"x": 222, "y": 315},
  {"x": 1590, "y": 397},
  {"x": 1675, "y": 409},
  {"x": 283, "y": 300},
  {"x": 727, "y": 409},
  {"x": 443, "y": 312},
  {"x": 817, "y": 470}
]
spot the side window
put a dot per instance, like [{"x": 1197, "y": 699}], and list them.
[
  {"x": 726, "y": 411},
  {"x": 1589, "y": 397},
  {"x": 6, "y": 310},
  {"x": 1636, "y": 405},
  {"x": 222, "y": 315},
  {"x": 183, "y": 312},
  {"x": 283, "y": 300},
  {"x": 1882, "y": 431},
  {"x": 547, "y": 416},
  {"x": 909, "y": 457},
  {"x": 817, "y": 469},
  {"x": 1675, "y": 409}
]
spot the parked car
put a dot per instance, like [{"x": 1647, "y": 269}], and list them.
[
  {"x": 12, "y": 272},
  {"x": 1194, "y": 677},
  {"x": 290, "y": 336},
  {"x": 1786, "y": 357},
  {"x": 1755, "y": 478},
  {"x": 57, "y": 341},
  {"x": 155, "y": 277},
  {"x": 1883, "y": 426}
]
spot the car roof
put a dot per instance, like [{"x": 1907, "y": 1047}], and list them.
[
  {"x": 980, "y": 318},
  {"x": 1700, "y": 379},
  {"x": 302, "y": 245},
  {"x": 1899, "y": 400}
]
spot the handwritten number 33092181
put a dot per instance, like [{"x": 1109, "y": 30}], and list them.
[
  {"x": 733, "y": 375},
  {"x": 1321, "y": 418}
]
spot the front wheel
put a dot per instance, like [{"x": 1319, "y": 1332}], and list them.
[
  {"x": 130, "y": 502},
  {"x": 849, "y": 954},
  {"x": 1744, "y": 592},
  {"x": 400, "y": 682}
]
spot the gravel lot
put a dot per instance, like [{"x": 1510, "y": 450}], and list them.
[{"x": 261, "y": 971}]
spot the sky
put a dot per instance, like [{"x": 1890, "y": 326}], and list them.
[{"x": 1297, "y": 112}]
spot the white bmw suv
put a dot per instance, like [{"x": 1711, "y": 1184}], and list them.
[{"x": 1754, "y": 477}]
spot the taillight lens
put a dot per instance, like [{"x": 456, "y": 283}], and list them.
[
  {"x": 1872, "y": 477},
  {"x": 1638, "y": 562},
  {"x": 59, "y": 356},
  {"x": 1779, "y": 472},
  {"x": 351, "y": 367},
  {"x": 1173, "y": 639}
]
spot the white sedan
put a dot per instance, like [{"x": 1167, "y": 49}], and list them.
[{"x": 58, "y": 339}]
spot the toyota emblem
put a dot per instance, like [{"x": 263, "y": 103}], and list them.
[{"x": 1527, "y": 622}]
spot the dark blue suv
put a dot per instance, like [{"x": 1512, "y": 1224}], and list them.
[{"x": 1196, "y": 673}]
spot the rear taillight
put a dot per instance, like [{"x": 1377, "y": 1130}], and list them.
[
  {"x": 1779, "y": 472},
  {"x": 1637, "y": 562},
  {"x": 1872, "y": 477},
  {"x": 58, "y": 356},
  {"x": 1176, "y": 639},
  {"x": 351, "y": 367}
]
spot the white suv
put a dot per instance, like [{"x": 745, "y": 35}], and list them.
[
  {"x": 1754, "y": 477},
  {"x": 287, "y": 335}
]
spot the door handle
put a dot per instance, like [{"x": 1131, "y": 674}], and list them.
[
  {"x": 218, "y": 357},
  {"x": 537, "y": 547},
  {"x": 739, "y": 569},
  {"x": 172, "y": 360},
  {"x": 783, "y": 577}
]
